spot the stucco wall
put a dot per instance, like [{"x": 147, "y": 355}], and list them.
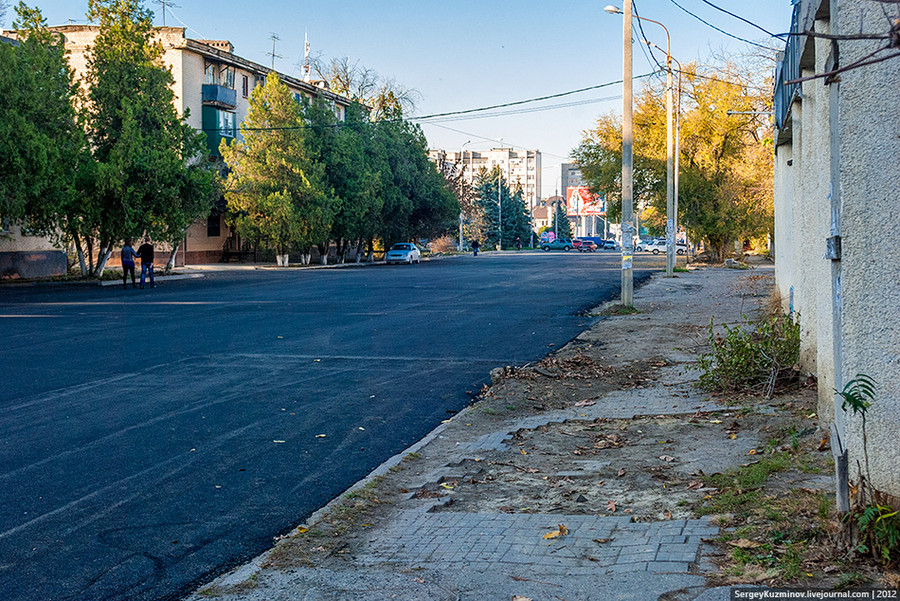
[
  {"x": 870, "y": 158},
  {"x": 784, "y": 218}
]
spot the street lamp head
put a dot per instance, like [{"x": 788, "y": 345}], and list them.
[{"x": 613, "y": 10}]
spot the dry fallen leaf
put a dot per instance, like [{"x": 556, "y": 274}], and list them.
[
  {"x": 302, "y": 529},
  {"x": 321, "y": 435},
  {"x": 752, "y": 452},
  {"x": 447, "y": 485},
  {"x": 715, "y": 421},
  {"x": 743, "y": 543},
  {"x": 520, "y": 598},
  {"x": 611, "y": 506},
  {"x": 694, "y": 484},
  {"x": 523, "y": 451},
  {"x": 601, "y": 540},
  {"x": 732, "y": 436},
  {"x": 667, "y": 514},
  {"x": 585, "y": 403},
  {"x": 621, "y": 472},
  {"x": 560, "y": 531},
  {"x": 667, "y": 458}
]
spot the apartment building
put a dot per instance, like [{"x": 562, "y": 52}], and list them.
[
  {"x": 519, "y": 167},
  {"x": 213, "y": 83}
]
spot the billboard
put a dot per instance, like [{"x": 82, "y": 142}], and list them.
[{"x": 581, "y": 203}]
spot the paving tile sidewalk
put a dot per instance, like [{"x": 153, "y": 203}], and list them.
[{"x": 423, "y": 549}]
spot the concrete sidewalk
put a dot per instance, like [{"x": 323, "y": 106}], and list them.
[{"x": 426, "y": 524}]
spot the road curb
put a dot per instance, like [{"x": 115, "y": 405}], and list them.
[{"x": 162, "y": 278}]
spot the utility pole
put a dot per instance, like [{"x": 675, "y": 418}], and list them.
[
  {"x": 627, "y": 149},
  {"x": 499, "y": 212}
]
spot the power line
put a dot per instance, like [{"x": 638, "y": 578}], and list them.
[
  {"x": 740, "y": 18},
  {"x": 708, "y": 24},
  {"x": 644, "y": 36},
  {"x": 524, "y": 111},
  {"x": 529, "y": 100},
  {"x": 501, "y": 141}
]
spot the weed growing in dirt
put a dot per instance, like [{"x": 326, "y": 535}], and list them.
[
  {"x": 619, "y": 310},
  {"x": 756, "y": 356}
]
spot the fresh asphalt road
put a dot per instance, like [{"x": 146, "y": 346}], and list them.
[{"x": 151, "y": 439}]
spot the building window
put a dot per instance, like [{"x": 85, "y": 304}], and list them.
[
  {"x": 226, "y": 77},
  {"x": 260, "y": 80},
  {"x": 214, "y": 226},
  {"x": 211, "y": 77},
  {"x": 226, "y": 124},
  {"x": 245, "y": 85}
]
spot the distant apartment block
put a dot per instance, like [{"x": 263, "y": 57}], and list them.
[
  {"x": 519, "y": 167},
  {"x": 570, "y": 176},
  {"x": 214, "y": 84}
]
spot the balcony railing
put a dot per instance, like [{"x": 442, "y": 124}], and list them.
[
  {"x": 787, "y": 69},
  {"x": 215, "y": 95}
]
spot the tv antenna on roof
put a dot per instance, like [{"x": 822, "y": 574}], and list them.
[
  {"x": 166, "y": 4},
  {"x": 275, "y": 38}
]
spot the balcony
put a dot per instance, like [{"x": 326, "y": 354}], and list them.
[{"x": 219, "y": 96}]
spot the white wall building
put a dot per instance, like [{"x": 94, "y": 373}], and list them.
[
  {"x": 519, "y": 167},
  {"x": 837, "y": 157}
]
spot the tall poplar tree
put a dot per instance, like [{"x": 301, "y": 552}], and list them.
[
  {"x": 42, "y": 148},
  {"x": 276, "y": 191},
  {"x": 152, "y": 172}
]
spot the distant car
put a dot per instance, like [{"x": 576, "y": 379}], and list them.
[
  {"x": 659, "y": 245},
  {"x": 609, "y": 244},
  {"x": 584, "y": 246},
  {"x": 403, "y": 252},
  {"x": 565, "y": 244}
]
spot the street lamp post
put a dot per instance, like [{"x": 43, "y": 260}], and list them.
[
  {"x": 670, "y": 178},
  {"x": 677, "y": 138}
]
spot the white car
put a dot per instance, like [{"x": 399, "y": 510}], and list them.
[
  {"x": 658, "y": 246},
  {"x": 403, "y": 252}
]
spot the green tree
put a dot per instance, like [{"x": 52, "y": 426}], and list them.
[
  {"x": 276, "y": 189},
  {"x": 510, "y": 220},
  {"x": 561, "y": 224},
  {"x": 725, "y": 187},
  {"x": 147, "y": 158},
  {"x": 43, "y": 152}
]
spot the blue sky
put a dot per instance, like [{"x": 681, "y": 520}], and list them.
[{"x": 466, "y": 54}]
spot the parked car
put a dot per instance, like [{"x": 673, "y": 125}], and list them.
[
  {"x": 403, "y": 252},
  {"x": 609, "y": 244},
  {"x": 584, "y": 246},
  {"x": 565, "y": 244},
  {"x": 659, "y": 245}
]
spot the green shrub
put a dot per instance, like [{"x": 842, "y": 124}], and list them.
[{"x": 752, "y": 357}]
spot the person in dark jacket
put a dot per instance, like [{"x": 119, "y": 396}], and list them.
[
  {"x": 475, "y": 247},
  {"x": 128, "y": 256},
  {"x": 145, "y": 252}
]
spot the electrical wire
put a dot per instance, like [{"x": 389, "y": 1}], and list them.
[
  {"x": 523, "y": 111},
  {"x": 529, "y": 100},
  {"x": 740, "y": 18},
  {"x": 646, "y": 41},
  {"x": 502, "y": 142},
  {"x": 708, "y": 24}
]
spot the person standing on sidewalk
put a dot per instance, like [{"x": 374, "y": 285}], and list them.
[
  {"x": 145, "y": 252},
  {"x": 475, "y": 246},
  {"x": 128, "y": 256}
]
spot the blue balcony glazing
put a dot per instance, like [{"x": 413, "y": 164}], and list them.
[
  {"x": 216, "y": 95},
  {"x": 787, "y": 69}
]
